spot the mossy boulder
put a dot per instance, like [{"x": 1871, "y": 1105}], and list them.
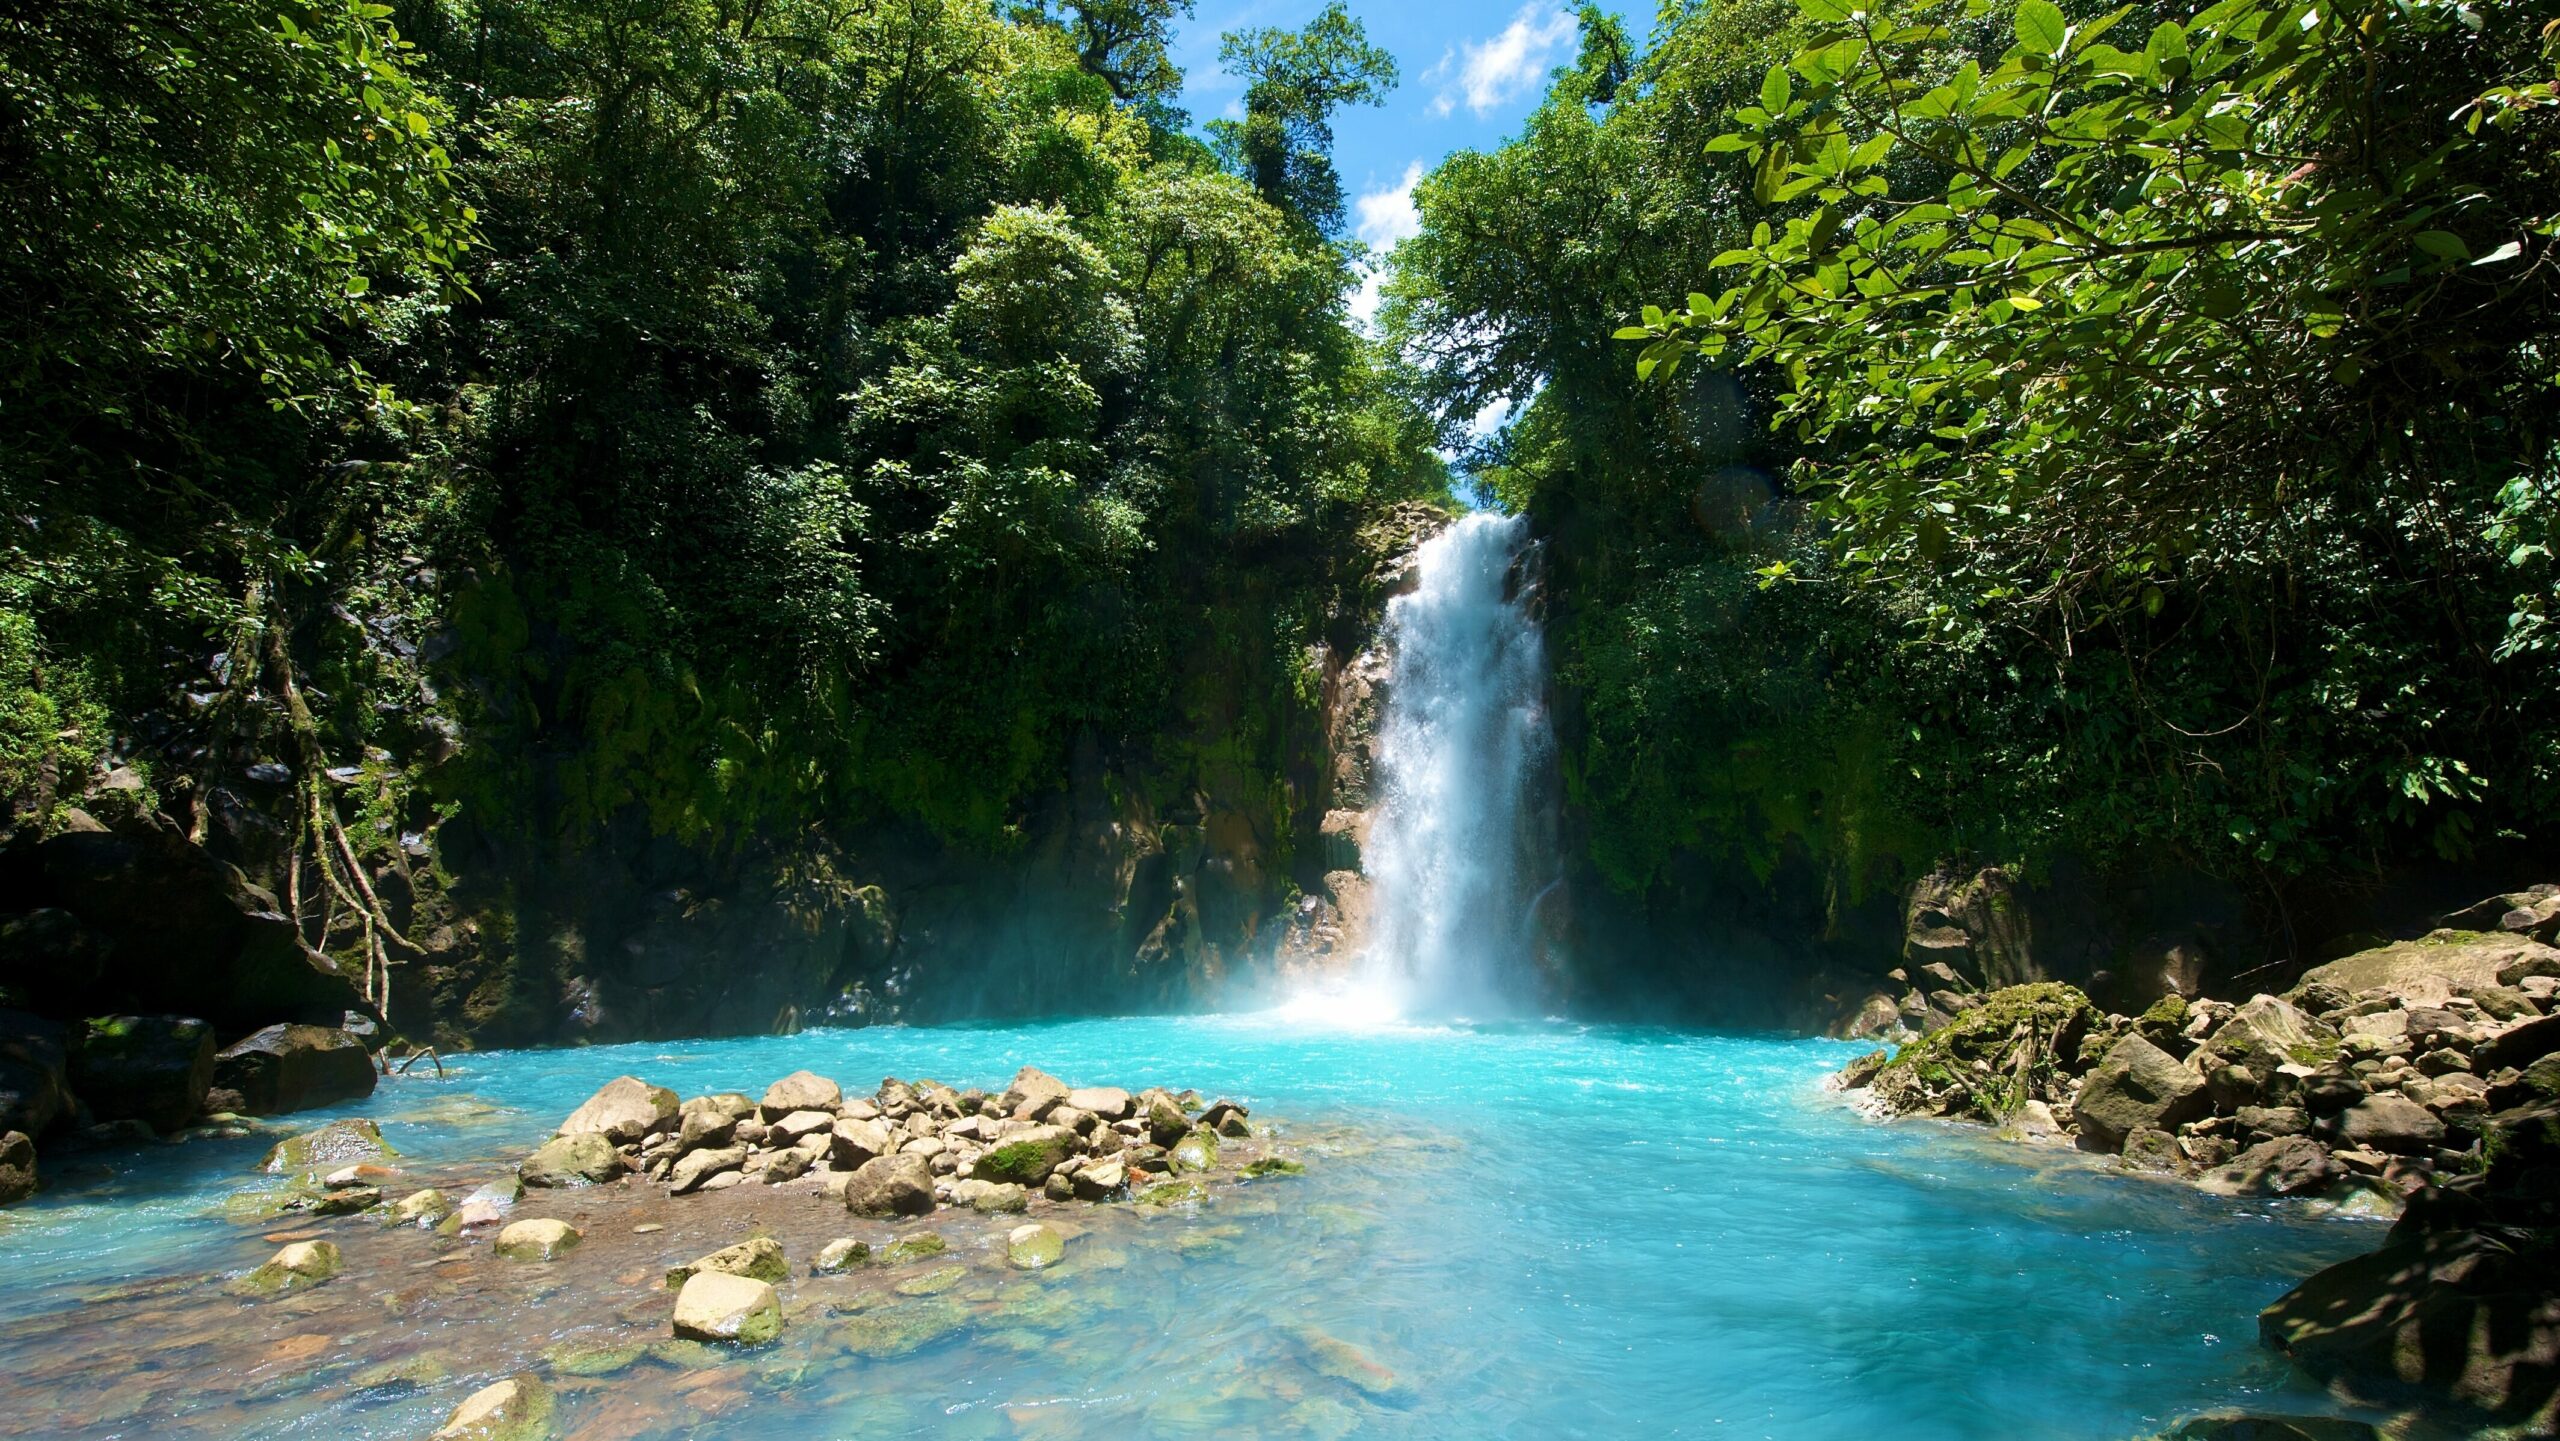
[
  {"x": 1035, "y": 1247},
  {"x": 516, "y": 1409},
  {"x": 1194, "y": 1153},
  {"x": 758, "y": 1258},
  {"x": 585, "y": 1159},
  {"x": 841, "y": 1254},
  {"x": 913, "y": 1248},
  {"x": 715, "y": 1306},
  {"x": 540, "y": 1239},
  {"x": 314, "y": 1154},
  {"x": 1274, "y": 1166},
  {"x": 297, "y": 1267},
  {"x": 1026, "y": 1159},
  {"x": 2017, "y": 1045}
]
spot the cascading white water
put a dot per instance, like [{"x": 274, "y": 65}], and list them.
[{"x": 1456, "y": 850}]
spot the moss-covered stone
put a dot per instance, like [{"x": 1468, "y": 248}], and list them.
[
  {"x": 595, "y": 1358},
  {"x": 1274, "y": 1166},
  {"x": 917, "y": 1247},
  {"x": 2017, "y": 1045}
]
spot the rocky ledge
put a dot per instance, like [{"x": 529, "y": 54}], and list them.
[{"x": 2422, "y": 1077}]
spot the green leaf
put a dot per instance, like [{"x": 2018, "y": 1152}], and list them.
[
  {"x": 1776, "y": 90},
  {"x": 1823, "y": 10},
  {"x": 2025, "y": 302},
  {"x": 2443, "y": 244},
  {"x": 2041, "y": 27},
  {"x": 1631, "y": 332},
  {"x": 358, "y": 285},
  {"x": 1724, "y": 144}
]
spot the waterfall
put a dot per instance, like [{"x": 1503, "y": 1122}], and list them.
[{"x": 1457, "y": 848}]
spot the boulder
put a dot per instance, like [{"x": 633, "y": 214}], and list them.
[
  {"x": 516, "y": 1409},
  {"x": 289, "y": 1067},
  {"x": 2138, "y": 1085},
  {"x": 708, "y": 1126},
  {"x": 298, "y": 1266},
  {"x": 855, "y": 1141},
  {"x": 625, "y": 1111},
  {"x": 2431, "y": 970},
  {"x": 314, "y": 1154},
  {"x": 1166, "y": 1123},
  {"x": 990, "y": 1197},
  {"x": 154, "y": 1069},
  {"x": 1101, "y": 1181},
  {"x": 187, "y": 932},
  {"x": 2269, "y": 1032},
  {"x": 696, "y": 1168},
  {"x": 34, "y": 1087},
  {"x": 1109, "y": 1102},
  {"x": 1195, "y": 1152},
  {"x": 51, "y": 961},
  {"x": 585, "y": 1159},
  {"x": 2519, "y": 1047},
  {"x": 1033, "y": 1093},
  {"x": 1034, "y": 1247},
  {"x": 800, "y": 1091},
  {"x": 899, "y": 1185},
  {"x": 17, "y": 1167},
  {"x": 758, "y": 1258},
  {"x": 1862, "y": 1072},
  {"x": 2391, "y": 1123},
  {"x": 2285, "y": 1166},
  {"x": 2466, "y": 1317},
  {"x": 714, "y": 1306},
  {"x": 790, "y": 1165},
  {"x": 540, "y": 1239},
  {"x": 419, "y": 1208},
  {"x": 1027, "y": 1157}
]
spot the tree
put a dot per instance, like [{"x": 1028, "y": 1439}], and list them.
[
  {"x": 1122, "y": 42},
  {"x": 1297, "y": 79}
]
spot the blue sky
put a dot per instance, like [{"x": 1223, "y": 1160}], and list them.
[{"x": 1470, "y": 74}]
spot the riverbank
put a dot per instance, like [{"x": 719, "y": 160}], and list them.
[{"x": 2419, "y": 1079}]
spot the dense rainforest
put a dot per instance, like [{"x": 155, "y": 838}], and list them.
[{"x": 640, "y": 516}]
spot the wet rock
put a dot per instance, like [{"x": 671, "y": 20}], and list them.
[
  {"x": 516, "y": 1409},
  {"x": 1274, "y": 1166},
  {"x": 314, "y": 1154},
  {"x": 2154, "y": 1150},
  {"x": 696, "y": 1168},
  {"x": 2236, "y": 1426},
  {"x": 2138, "y": 1085},
  {"x": 299, "y": 1266},
  {"x": 487, "y": 1205},
  {"x": 407, "y": 1373},
  {"x": 419, "y": 1208},
  {"x": 933, "y": 1282},
  {"x": 540, "y": 1239},
  {"x": 624, "y": 1112},
  {"x": 800, "y": 1091},
  {"x": 917, "y": 1247},
  {"x": 1101, "y": 1181},
  {"x": 758, "y": 1258},
  {"x": 1173, "y": 1193},
  {"x": 2290, "y": 1165},
  {"x": 1034, "y": 1247},
  {"x": 1027, "y": 1157},
  {"x": 890, "y": 1186},
  {"x": 1059, "y": 1187},
  {"x": 153, "y": 1069},
  {"x": 841, "y": 1254},
  {"x": 17, "y": 1167},
  {"x": 291, "y": 1067},
  {"x": 1334, "y": 1357},
  {"x": 1194, "y": 1153},
  {"x": 1862, "y": 1072},
  {"x": 346, "y": 1201},
  {"x": 990, "y": 1197},
  {"x": 589, "y": 1359},
  {"x": 2465, "y": 1317},
  {"x": 34, "y": 1090},
  {"x": 2391, "y": 1123},
  {"x": 714, "y": 1306},
  {"x": 584, "y": 1159}
]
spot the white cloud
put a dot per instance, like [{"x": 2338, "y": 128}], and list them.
[
  {"x": 1490, "y": 73},
  {"x": 1387, "y": 216}
]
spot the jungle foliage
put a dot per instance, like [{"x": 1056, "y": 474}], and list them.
[
  {"x": 2136, "y": 449},
  {"x": 742, "y": 418}
]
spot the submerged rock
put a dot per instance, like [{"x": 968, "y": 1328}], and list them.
[
  {"x": 314, "y": 1154},
  {"x": 841, "y": 1254},
  {"x": 917, "y": 1247},
  {"x": 516, "y": 1409},
  {"x": 716, "y": 1306},
  {"x": 1196, "y": 1152},
  {"x": 419, "y": 1208},
  {"x": 298, "y": 1266},
  {"x": 541, "y": 1239},
  {"x": 590, "y": 1359},
  {"x": 1034, "y": 1247}
]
